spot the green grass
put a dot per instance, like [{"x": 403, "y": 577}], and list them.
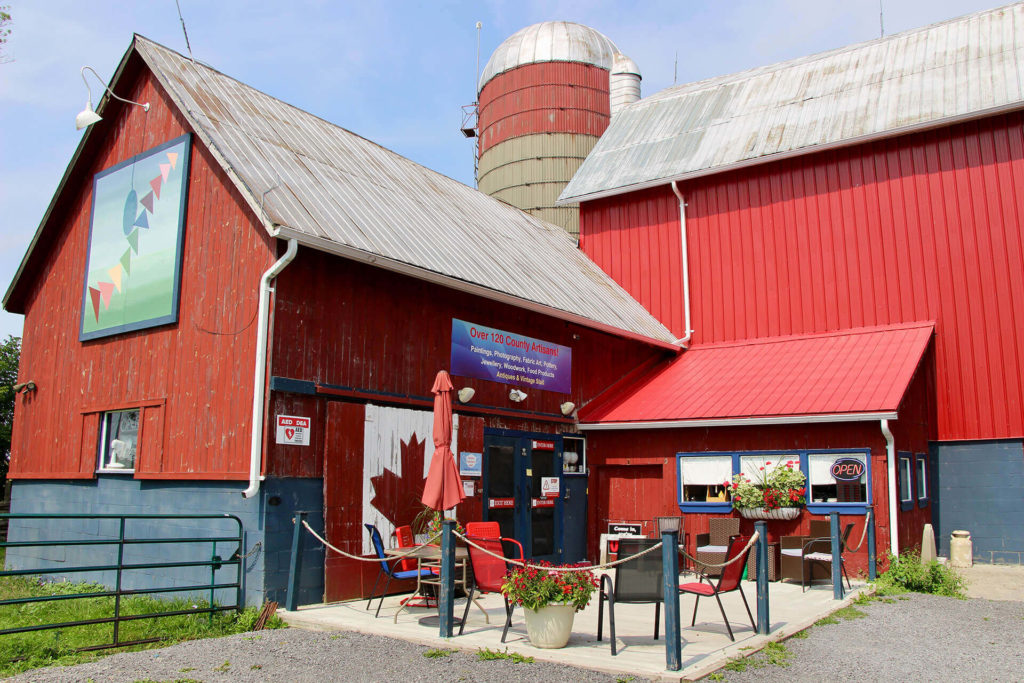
[
  {"x": 23, "y": 651},
  {"x": 487, "y": 654},
  {"x": 437, "y": 652},
  {"x": 906, "y": 573}
]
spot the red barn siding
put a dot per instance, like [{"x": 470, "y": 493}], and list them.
[
  {"x": 919, "y": 227},
  {"x": 548, "y": 97},
  {"x": 198, "y": 371},
  {"x": 342, "y": 323}
]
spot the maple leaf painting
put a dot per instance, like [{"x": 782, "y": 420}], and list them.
[{"x": 398, "y": 497}]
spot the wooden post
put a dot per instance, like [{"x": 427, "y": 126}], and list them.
[
  {"x": 670, "y": 594},
  {"x": 837, "y": 560},
  {"x": 872, "y": 550},
  {"x": 295, "y": 565},
  {"x": 445, "y": 601},
  {"x": 763, "y": 620}
]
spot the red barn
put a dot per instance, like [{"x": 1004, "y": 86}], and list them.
[
  {"x": 875, "y": 186},
  {"x": 232, "y": 305}
]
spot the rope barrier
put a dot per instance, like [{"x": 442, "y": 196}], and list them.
[
  {"x": 523, "y": 563},
  {"x": 864, "y": 533},
  {"x": 589, "y": 567},
  {"x": 396, "y": 556}
]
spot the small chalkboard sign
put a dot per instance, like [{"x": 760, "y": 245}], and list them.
[{"x": 626, "y": 529}]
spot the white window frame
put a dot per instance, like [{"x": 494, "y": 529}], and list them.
[
  {"x": 921, "y": 488},
  {"x": 906, "y": 478},
  {"x": 108, "y": 462}
]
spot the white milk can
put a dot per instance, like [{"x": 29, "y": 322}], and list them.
[{"x": 961, "y": 550}]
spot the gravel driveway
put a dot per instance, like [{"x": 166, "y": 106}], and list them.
[{"x": 915, "y": 638}]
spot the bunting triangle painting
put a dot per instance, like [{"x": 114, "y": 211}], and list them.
[
  {"x": 94, "y": 294},
  {"x": 133, "y": 240},
  {"x": 142, "y": 221},
  {"x": 155, "y": 183},
  {"x": 147, "y": 202},
  {"x": 106, "y": 289},
  {"x": 115, "y": 276},
  {"x": 165, "y": 170},
  {"x": 126, "y": 261},
  {"x": 173, "y": 158}
]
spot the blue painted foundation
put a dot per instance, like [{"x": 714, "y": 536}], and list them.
[
  {"x": 266, "y": 522},
  {"x": 979, "y": 486}
]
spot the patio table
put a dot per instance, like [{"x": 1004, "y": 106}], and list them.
[{"x": 428, "y": 557}]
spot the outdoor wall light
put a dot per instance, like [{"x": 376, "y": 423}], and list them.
[
  {"x": 88, "y": 116},
  {"x": 466, "y": 394},
  {"x": 24, "y": 386},
  {"x": 516, "y": 395},
  {"x": 567, "y": 408}
]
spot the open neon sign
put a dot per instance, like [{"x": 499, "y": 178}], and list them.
[{"x": 847, "y": 469}]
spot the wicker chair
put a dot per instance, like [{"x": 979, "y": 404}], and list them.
[
  {"x": 712, "y": 546},
  {"x": 792, "y": 551}
]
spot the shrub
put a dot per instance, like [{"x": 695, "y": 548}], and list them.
[{"x": 906, "y": 573}]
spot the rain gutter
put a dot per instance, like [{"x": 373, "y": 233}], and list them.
[
  {"x": 688, "y": 331},
  {"x": 890, "y": 459},
  {"x": 259, "y": 387},
  {"x": 740, "y": 421}
]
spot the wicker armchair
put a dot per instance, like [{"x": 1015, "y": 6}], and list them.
[
  {"x": 712, "y": 546},
  {"x": 792, "y": 550}
]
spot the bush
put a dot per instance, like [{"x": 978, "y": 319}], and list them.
[{"x": 906, "y": 573}]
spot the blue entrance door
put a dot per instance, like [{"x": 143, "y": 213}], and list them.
[{"x": 522, "y": 485}]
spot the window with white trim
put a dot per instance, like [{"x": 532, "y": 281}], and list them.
[
  {"x": 702, "y": 478},
  {"x": 922, "y": 477},
  {"x": 833, "y": 477},
  {"x": 119, "y": 435},
  {"x": 906, "y": 479}
]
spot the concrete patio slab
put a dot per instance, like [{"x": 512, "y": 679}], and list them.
[{"x": 705, "y": 647}]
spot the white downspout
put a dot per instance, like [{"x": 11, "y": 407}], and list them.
[
  {"x": 260, "y": 380},
  {"x": 890, "y": 458},
  {"x": 685, "y": 339}
]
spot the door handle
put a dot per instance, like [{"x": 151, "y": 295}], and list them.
[{"x": 568, "y": 494}]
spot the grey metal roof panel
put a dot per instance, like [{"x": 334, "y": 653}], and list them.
[
  {"x": 955, "y": 70},
  {"x": 333, "y": 189}
]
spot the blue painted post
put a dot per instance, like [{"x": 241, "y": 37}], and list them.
[
  {"x": 837, "y": 565},
  {"x": 872, "y": 549},
  {"x": 763, "y": 620},
  {"x": 670, "y": 594},
  {"x": 295, "y": 565},
  {"x": 446, "y": 602}
]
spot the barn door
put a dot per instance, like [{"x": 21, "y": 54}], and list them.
[{"x": 343, "y": 466}]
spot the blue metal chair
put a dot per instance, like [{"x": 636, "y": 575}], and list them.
[{"x": 388, "y": 570}]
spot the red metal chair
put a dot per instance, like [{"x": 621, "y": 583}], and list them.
[
  {"x": 405, "y": 539},
  {"x": 488, "y": 571},
  {"x": 493, "y": 530},
  {"x": 728, "y": 581}
]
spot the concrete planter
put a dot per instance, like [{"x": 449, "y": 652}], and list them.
[{"x": 549, "y": 627}]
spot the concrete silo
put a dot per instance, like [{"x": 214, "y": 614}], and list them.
[{"x": 543, "y": 103}]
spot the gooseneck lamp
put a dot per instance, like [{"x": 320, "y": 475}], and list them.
[{"x": 88, "y": 116}]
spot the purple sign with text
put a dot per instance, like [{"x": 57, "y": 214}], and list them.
[{"x": 487, "y": 353}]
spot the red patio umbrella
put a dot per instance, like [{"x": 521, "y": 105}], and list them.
[{"x": 443, "y": 488}]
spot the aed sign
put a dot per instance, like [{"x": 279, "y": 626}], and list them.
[
  {"x": 626, "y": 529},
  {"x": 293, "y": 430},
  {"x": 847, "y": 469}
]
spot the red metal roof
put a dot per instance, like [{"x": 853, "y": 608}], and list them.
[{"x": 844, "y": 373}]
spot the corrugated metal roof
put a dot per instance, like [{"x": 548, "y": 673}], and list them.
[
  {"x": 335, "y": 191},
  {"x": 550, "y": 41},
  {"x": 959, "y": 69},
  {"x": 865, "y": 370}
]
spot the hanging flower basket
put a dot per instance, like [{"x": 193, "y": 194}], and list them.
[{"x": 776, "y": 514}]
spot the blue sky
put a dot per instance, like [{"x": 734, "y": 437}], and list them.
[{"x": 395, "y": 72}]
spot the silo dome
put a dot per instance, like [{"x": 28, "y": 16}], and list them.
[
  {"x": 550, "y": 41},
  {"x": 543, "y": 102}
]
